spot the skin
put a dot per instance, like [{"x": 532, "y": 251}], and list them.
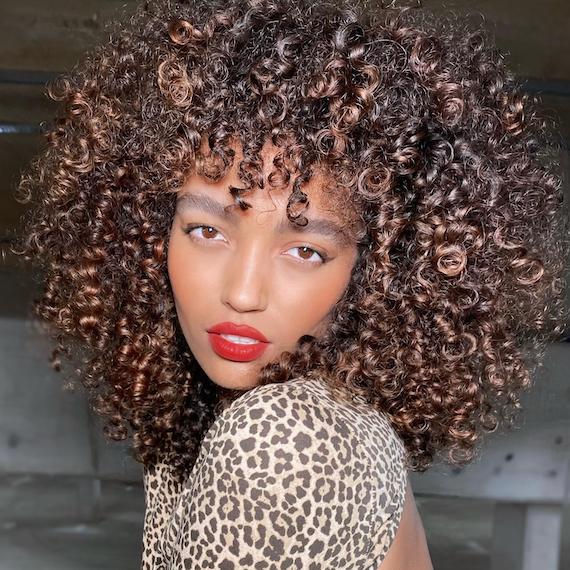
[
  {"x": 409, "y": 549},
  {"x": 242, "y": 269}
]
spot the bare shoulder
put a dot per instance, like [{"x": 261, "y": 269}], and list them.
[{"x": 409, "y": 550}]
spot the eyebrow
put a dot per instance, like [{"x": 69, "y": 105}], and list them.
[{"x": 321, "y": 226}]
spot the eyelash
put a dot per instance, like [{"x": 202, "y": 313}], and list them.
[{"x": 324, "y": 257}]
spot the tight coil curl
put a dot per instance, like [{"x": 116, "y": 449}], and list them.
[{"x": 459, "y": 282}]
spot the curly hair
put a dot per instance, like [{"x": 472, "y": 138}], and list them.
[{"x": 459, "y": 281}]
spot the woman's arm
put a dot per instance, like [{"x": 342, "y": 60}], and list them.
[{"x": 409, "y": 550}]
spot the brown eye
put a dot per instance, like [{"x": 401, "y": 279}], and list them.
[
  {"x": 310, "y": 255},
  {"x": 203, "y": 233},
  {"x": 208, "y": 231},
  {"x": 306, "y": 251}
]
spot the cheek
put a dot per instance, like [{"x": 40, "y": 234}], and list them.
[
  {"x": 175, "y": 266},
  {"x": 312, "y": 297},
  {"x": 187, "y": 279}
]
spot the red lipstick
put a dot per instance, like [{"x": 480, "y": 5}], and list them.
[{"x": 232, "y": 349}]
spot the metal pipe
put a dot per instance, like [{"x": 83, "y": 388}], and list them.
[
  {"x": 559, "y": 87},
  {"x": 26, "y": 77},
  {"x": 19, "y": 128}
]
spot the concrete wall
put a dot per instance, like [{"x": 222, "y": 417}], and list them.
[{"x": 51, "y": 37}]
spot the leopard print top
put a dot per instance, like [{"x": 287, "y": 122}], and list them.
[{"x": 286, "y": 478}]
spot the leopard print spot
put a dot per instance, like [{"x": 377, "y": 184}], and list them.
[{"x": 286, "y": 478}]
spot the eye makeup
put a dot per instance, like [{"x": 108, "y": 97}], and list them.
[
  {"x": 189, "y": 228},
  {"x": 323, "y": 226}
]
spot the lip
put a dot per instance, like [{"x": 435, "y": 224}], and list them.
[
  {"x": 234, "y": 351},
  {"x": 240, "y": 330}
]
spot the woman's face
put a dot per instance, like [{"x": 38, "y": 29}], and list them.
[{"x": 255, "y": 268}]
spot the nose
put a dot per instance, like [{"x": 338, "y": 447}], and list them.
[{"x": 245, "y": 287}]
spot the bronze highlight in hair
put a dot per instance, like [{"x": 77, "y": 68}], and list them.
[{"x": 459, "y": 282}]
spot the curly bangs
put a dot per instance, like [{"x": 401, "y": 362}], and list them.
[{"x": 459, "y": 282}]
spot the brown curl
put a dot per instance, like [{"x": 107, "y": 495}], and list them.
[{"x": 459, "y": 281}]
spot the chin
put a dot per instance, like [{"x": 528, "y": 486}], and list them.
[{"x": 233, "y": 384}]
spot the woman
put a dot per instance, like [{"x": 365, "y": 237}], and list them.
[{"x": 307, "y": 248}]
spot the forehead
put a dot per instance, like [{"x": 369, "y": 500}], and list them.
[
  {"x": 325, "y": 196},
  {"x": 324, "y": 226}
]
